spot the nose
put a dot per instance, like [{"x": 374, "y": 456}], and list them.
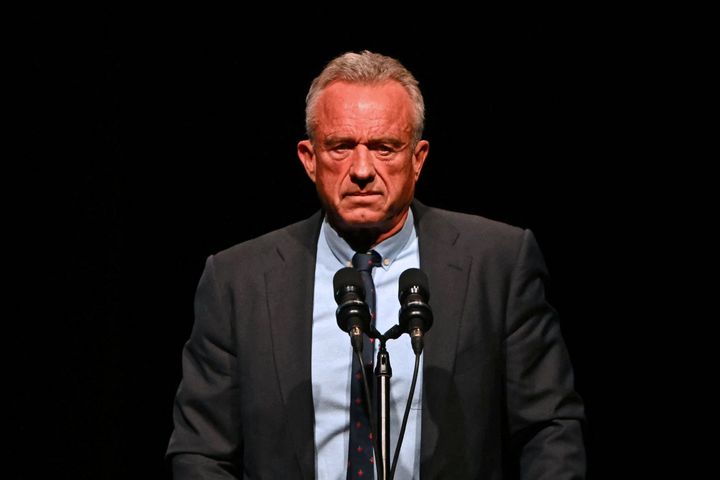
[{"x": 362, "y": 168}]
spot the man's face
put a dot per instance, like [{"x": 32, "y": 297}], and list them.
[{"x": 362, "y": 159}]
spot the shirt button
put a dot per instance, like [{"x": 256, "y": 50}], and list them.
[{"x": 386, "y": 262}]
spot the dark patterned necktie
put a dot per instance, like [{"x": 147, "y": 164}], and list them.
[{"x": 360, "y": 454}]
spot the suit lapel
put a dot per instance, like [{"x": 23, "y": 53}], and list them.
[
  {"x": 447, "y": 269},
  {"x": 289, "y": 283}
]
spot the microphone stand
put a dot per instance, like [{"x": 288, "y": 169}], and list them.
[{"x": 383, "y": 372}]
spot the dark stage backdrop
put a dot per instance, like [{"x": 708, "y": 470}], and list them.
[{"x": 159, "y": 138}]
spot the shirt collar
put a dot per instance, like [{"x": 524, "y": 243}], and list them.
[{"x": 389, "y": 249}]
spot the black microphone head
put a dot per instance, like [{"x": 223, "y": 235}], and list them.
[
  {"x": 347, "y": 280},
  {"x": 415, "y": 315},
  {"x": 413, "y": 280},
  {"x": 352, "y": 314}
]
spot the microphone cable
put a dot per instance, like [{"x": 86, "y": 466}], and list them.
[{"x": 405, "y": 416}]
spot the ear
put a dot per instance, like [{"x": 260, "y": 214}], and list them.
[
  {"x": 306, "y": 154},
  {"x": 421, "y": 151}
]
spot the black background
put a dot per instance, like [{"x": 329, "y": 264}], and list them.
[{"x": 160, "y": 137}]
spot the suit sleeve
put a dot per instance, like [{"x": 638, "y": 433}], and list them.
[
  {"x": 545, "y": 414},
  {"x": 206, "y": 441}
]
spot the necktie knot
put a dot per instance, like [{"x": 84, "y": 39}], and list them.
[{"x": 364, "y": 262}]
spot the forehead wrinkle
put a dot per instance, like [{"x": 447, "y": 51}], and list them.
[
  {"x": 376, "y": 128},
  {"x": 359, "y": 117}
]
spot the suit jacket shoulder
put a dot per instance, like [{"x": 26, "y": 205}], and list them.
[
  {"x": 477, "y": 236},
  {"x": 257, "y": 253}
]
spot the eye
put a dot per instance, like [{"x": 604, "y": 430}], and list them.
[
  {"x": 383, "y": 150},
  {"x": 341, "y": 147},
  {"x": 340, "y": 150}
]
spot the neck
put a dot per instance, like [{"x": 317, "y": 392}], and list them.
[{"x": 364, "y": 239}]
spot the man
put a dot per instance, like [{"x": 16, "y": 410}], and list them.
[{"x": 267, "y": 373}]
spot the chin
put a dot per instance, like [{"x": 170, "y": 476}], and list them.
[{"x": 363, "y": 220}]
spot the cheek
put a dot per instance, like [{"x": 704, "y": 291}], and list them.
[
  {"x": 399, "y": 177},
  {"x": 329, "y": 179}
]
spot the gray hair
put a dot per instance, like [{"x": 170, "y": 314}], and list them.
[{"x": 365, "y": 67}]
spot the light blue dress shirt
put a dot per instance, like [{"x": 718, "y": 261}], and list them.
[{"x": 332, "y": 354}]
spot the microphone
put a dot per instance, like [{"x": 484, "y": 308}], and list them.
[
  {"x": 352, "y": 314},
  {"x": 416, "y": 316}
]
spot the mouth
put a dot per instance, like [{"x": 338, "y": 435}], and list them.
[
  {"x": 363, "y": 194},
  {"x": 363, "y": 200}
]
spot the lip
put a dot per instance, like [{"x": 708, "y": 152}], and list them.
[{"x": 363, "y": 194}]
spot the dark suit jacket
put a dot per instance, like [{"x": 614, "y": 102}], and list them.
[{"x": 498, "y": 399}]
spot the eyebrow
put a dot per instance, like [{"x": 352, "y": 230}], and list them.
[{"x": 332, "y": 140}]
